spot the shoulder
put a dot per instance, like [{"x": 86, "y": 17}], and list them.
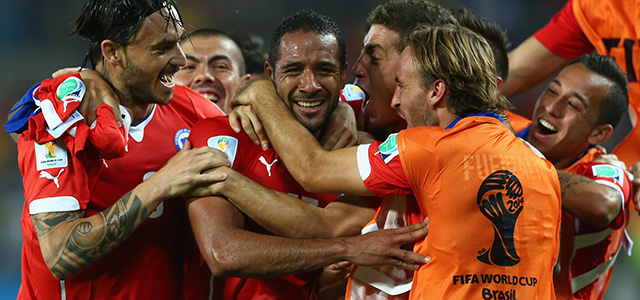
[{"x": 189, "y": 101}]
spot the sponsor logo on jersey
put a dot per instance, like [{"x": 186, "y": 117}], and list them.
[
  {"x": 47, "y": 175},
  {"x": 500, "y": 199},
  {"x": 226, "y": 144},
  {"x": 181, "y": 136},
  {"x": 70, "y": 90},
  {"x": 50, "y": 155},
  {"x": 608, "y": 171},
  {"x": 268, "y": 165},
  {"x": 389, "y": 148}
]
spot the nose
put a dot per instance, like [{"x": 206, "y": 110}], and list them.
[
  {"x": 309, "y": 83},
  {"x": 202, "y": 74},
  {"x": 179, "y": 59},
  {"x": 358, "y": 67},
  {"x": 554, "y": 107},
  {"x": 395, "y": 100}
]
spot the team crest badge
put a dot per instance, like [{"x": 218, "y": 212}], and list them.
[
  {"x": 226, "y": 144},
  {"x": 181, "y": 137}
]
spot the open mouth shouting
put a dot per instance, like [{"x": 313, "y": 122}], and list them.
[
  {"x": 168, "y": 80},
  {"x": 545, "y": 128}
]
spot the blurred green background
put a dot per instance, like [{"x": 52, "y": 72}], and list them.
[{"x": 33, "y": 44}]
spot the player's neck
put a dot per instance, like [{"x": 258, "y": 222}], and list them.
[{"x": 139, "y": 111}]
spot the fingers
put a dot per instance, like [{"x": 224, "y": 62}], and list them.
[
  {"x": 66, "y": 71},
  {"x": 234, "y": 121}
]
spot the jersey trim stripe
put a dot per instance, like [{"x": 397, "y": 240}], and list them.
[
  {"x": 54, "y": 204},
  {"x": 583, "y": 280},
  {"x": 382, "y": 282},
  {"x": 364, "y": 165},
  {"x": 63, "y": 291}
]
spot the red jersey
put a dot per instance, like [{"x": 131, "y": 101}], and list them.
[
  {"x": 150, "y": 263},
  {"x": 266, "y": 168},
  {"x": 493, "y": 208},
  {"x": 611, "y": 28},
  {"x": 588, "y": 254}
]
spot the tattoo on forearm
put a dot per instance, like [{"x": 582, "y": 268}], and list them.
[
  {"x": 90, "y": 240},
  {"x": 568, "y": 181}
]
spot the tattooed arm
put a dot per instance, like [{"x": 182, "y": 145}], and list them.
[
  {"x": 70, "y": 242},
  {"x": 587, "y": 200}
]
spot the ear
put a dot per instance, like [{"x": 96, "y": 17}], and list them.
[
  {"x": 600, "y": 134},
  {"x": 344, "y": 74},
  {"x": 110, "y": 50},
  {"x": 500, "y": 82},
  {"x": 245, "y": 77},
  {"x": 268, "y": 71},
  {"x": 436, "y": 94}
]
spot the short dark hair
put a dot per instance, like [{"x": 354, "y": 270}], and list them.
[
  {"x": 307, "y": 21},
  {"x": 211, "y": 32},
  {"x": 491, "y": 31},
  {"x": 116, "y": 20},
  {"x": 615, "y": 104},
  {"x": 403, "y": 16},
  {"x": 251, "y": 46}
]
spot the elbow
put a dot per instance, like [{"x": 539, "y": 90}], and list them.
[
  {"x": 607, "y": 210},
  {"x": 220, "y": 263},
  {"x": 59, "y": 273}
]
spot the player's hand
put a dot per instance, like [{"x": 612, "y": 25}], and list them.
[
  {"x": 242, "y": 117},
  {"x": 187, "y": 169},
  {"x": 332, "y": 281},
  {"x": 635, "y": 171},
  {"x": 98, "y": 91},
  {"x": 66, "y": 71},
  {"x": 611, "y": 159},
  {"x": 341, "y": 130},
  {"x": 383, "y": 247}
]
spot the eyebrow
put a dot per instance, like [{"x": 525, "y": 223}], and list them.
[
  {"x": 213, "y": 59},
  {"x": 580, "y": 97},
  {"x": 371, "y": 47}
]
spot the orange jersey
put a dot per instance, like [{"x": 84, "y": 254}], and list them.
[
  {"x": 518, "y": 122},
  {"x": 493, "y": 207},
  {"x": 587, "y": 254}
]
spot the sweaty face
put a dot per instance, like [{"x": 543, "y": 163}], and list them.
[
  {"x": 152, "y": 58},
  {"x": 375, "y": 72},
  {"x": 410, "y": 97},
  {"x": 567, "y": 112},
  {"x": 308, "y": 76},
  {"x": 212, "y": 68}
]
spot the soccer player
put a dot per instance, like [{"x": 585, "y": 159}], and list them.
[
  {"x": 578, "y": 110},
  {"x": 582, "y": 26},
  {"x": 478, "y": 184},
  {"x": 113, "y": 228},
  {"x": 215, "y": 66},
  {"x": 307, "y": 65}
]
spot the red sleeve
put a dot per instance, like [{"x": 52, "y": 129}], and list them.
[
  {"x": 614, "y": 177},
  {"x": 382, "y": 171},
  {"x": 53, "y": 180},
  {"x": 563, "y": 36}
]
